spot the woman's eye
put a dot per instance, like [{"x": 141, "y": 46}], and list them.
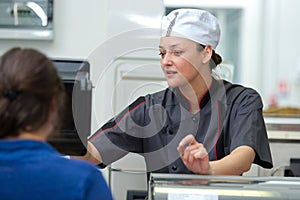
[
  {"x": 161, "y": 54},
  {"x": 177, "y": 52}
]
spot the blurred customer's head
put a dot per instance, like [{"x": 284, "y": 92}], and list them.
[{"x": 31, "y": 94}]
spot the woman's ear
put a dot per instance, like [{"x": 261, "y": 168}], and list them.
[
  {"x": 53, "y": 110},
  {"x": 52, "y": 106},
  {"x": 52, "y": 117},
  {"x": 207, "y": 52}
]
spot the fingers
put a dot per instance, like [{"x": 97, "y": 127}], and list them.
[
  {"x": 201, "y": 153},
  {"x": 189, "y": 149},
  {"x": 191, "y": 155},
  {"x": 185, "y": 142},
  {"x": 194, "y": 155},
  {"x": 192, "y": 152}
]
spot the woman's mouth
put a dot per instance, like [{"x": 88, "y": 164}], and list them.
[{"x": 170, "y": 72}]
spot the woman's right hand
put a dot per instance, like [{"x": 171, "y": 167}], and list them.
[{"x": 194, "y": 155}]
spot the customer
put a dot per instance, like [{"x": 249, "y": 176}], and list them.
[
  {"x": 31, "y": 98},
  {"x": 200, "y": 124}
]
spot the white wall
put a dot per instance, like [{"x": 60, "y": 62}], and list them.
[
  {"x": 281, "y": 51},
  {"x": 129, "y": 29}
]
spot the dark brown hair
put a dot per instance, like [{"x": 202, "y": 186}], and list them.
[
  {"x": 28, "y": 83},
  {"x": 216, "y": 59}
]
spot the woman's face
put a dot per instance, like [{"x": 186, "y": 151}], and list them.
[{"x": 181, "y": 61}]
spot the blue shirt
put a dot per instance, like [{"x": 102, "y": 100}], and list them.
[{"x": 34, "y": 170}]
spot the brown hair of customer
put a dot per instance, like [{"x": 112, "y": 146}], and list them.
[{"x": 29, "y": 82}]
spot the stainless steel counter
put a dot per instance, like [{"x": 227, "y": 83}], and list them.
[
  {"x": 283, "y": 128},
  {"x": 183, "y": 187}
]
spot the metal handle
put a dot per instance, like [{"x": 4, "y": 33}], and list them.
[{"x": 37, "y": 9}]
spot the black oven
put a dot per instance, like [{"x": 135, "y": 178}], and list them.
[{"x": 76, "y": 126}]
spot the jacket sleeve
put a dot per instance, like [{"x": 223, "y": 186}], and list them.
[
  {"x": 122, "y": 134},
  {"x": 248, "y": 127}
]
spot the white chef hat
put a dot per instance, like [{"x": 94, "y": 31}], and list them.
[{"x": 197, "y": 25}]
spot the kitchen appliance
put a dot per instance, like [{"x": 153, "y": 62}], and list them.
[
  {"x": 23, "y": 19},
  {"x": 76, "y": 125}
]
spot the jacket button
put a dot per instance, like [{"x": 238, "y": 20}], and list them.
[{"x": 174, "y": 167}]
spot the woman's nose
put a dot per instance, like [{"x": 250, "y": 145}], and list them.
[{"x": 166, "y": 59}]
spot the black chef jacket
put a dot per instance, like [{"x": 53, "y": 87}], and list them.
[{"x": 153, "y": 125}]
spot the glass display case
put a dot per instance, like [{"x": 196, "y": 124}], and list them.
[{"x": 192, "y": 187}]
